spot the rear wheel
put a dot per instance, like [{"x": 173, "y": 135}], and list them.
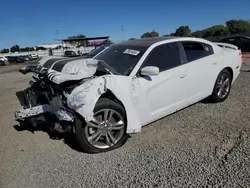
[
  {"x": 107, "y": 131},
  {"x": 222, "y": 86}
]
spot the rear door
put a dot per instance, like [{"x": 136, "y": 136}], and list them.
[{"x": 202, "y": 69}]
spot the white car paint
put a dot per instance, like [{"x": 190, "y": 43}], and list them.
[
  {"x": 83, "y": 98},
  {"x": 182, "y": 86},
  {"x": 78, "y": 69},
  {"x": 2, "y": 58},
  {"x": 146, "y": 101}
]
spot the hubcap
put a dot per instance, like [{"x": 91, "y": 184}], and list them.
[
  {"x": 106, "y": 130},
  {"x": 223, "y": 86}
]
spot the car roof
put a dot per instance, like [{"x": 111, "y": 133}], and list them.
[{"x": 145, "y": 42}]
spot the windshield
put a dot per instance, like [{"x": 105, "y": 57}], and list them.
[
  {"x": 122, "y": 58},
  {"x": 96, "y": 51}
]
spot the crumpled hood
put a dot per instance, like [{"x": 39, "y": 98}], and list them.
[
  {"x": 57, "y": 62},
  {"x": 48, "y": 61},
  {"x": 73, "y": 69}
]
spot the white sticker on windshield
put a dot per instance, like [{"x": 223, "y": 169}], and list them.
[{"x": 131, "y": 52}]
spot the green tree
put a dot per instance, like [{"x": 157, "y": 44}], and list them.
[
  {"x": 198, "y": 34},
  {"x": 5, "y": 50},
  {"x": 150, "y": 34},
  {"x": 146, "y": 35},
  {"x": 170, "y": 34},
  {"x": 216, "y": 30},
  {"x": 238, "y": 26},
  {"x": 183, "y": 31},
  {"x": 154, "y": 34},
  {"x": 15, "y": 48}
]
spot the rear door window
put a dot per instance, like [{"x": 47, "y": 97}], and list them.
[
  {"x": 164, "y": 57},
  {"x": 243, "y": 40},
  {"x": 196, "y": 50}
]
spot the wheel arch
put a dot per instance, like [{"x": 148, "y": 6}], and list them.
[
  {"x": 110, "y": 95},
  {"x": 121, "y": 97},
  {"x": 213, "y": 97},
  {"x": 84, "y": 98},
  {"x": 230, "y": 70}
]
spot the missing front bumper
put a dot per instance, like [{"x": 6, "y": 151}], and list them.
[
  {"x": 62, "y": 114},
  {"x": 34, "y": 111}
]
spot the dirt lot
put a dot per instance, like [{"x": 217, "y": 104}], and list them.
[{"x": 205, "y": 145}]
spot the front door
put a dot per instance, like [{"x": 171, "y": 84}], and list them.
[{"x": 163, "y": 93}]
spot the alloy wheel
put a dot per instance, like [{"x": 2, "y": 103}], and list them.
[
  {"x": 223, "y": 86},
  {"x": 106, "y": 130}
]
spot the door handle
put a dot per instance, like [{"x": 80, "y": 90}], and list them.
[
  {"x": 183, "y": 76},
  {"x": 215, "y": 63}
]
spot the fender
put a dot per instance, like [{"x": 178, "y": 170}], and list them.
[{"x": 84, "y": 98}]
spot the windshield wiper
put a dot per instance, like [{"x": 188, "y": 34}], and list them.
[{"x": 108, "y": 68}]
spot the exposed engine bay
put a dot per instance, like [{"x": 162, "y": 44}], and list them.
[{"x": 46, "y": 98}]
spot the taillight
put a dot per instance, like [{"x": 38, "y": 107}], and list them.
[{"x": 240, "y": 54}]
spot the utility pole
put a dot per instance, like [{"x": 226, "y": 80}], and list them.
[
  {"x": 57, "y": 35},
  {"x": 122, "y": 33}
]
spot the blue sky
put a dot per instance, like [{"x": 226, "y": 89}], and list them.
[{"x": 34, "y": 22}]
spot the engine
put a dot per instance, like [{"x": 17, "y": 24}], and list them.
[{"x": 45, "y": 101}]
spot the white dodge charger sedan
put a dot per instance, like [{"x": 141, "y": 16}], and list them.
[{"x": 126, "y": 86}]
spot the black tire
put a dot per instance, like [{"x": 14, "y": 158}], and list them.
[
  {"x": 103, "y": 103},
  {"x": 215, "y": 98}
]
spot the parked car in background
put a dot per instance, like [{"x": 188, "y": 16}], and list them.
[
  {"x": 242, "y": 42},
  {"x": 70, "y": 53},
  {"x": 2, "y": 63},
  {"x": 33, "y": 56},
  {"x": 25, "y": 57},
  {"x": 15, "y": 59},
  {"x": 11, "y": 59},
  {"x": 127, "y": 86},
  {"x": 2, "y": 58}
]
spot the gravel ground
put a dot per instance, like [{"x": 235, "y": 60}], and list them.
[{"x": 205, "y": 145}]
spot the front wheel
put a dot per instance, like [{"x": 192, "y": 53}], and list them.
[
  {"x": 222, "y": 86},
  {"x": 107, "y": 131}
]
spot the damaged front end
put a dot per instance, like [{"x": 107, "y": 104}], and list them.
[
  {"x": 86, "y": 97},
  {"x": 45, "y": 102}
]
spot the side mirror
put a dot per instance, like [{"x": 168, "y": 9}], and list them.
[{"x": 149, "y": 70}]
